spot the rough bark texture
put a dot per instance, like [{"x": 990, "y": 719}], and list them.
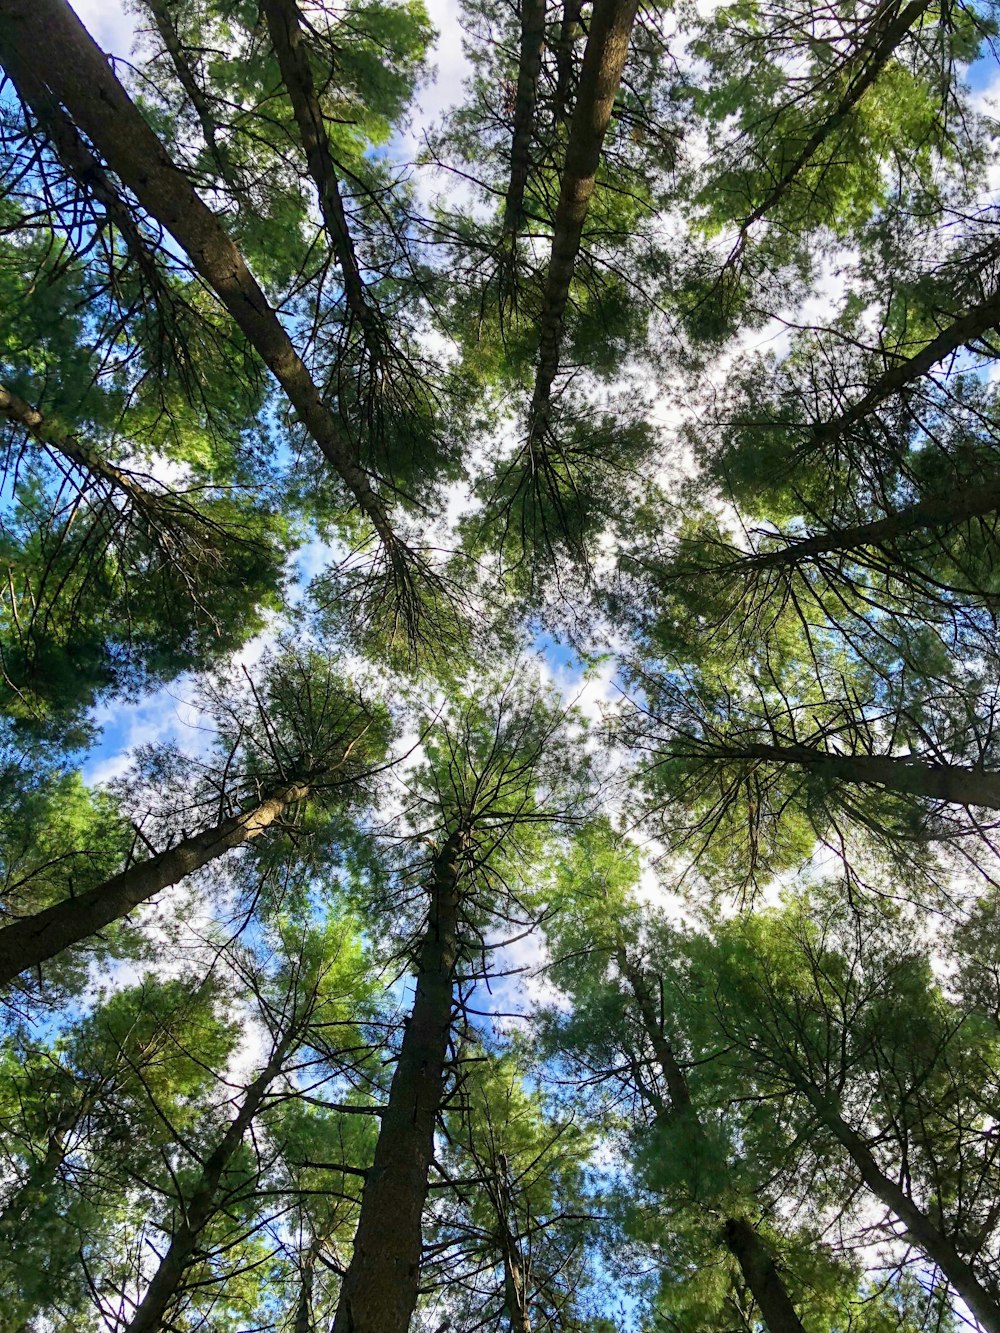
[
  {"x": 78, "y": 75},
  {"x": 955, "y": 784},
  {"x": 939, "y": 511},
  {"x": 166, "y": 1281},
  {"x": 975, "y": 323},
  {"x": 742, "y": 1241},
  {"x": 379, "y": 1290},
  {"x": 884, "y": 35},
  {"x": 934, "y": 1243},
  {"x": 32, "y": 940},
  {"x": 762, "y": 1277},
  {"x": 528, "y": 70},
  {"x": 284, "y": 23},
  {"x": 600, "y": 77}
]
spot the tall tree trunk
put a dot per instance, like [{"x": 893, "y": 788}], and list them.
[
  {"x": 43, "y": 1173},
  {"x": 886, "y": 32},
  {"x": 379, "y": 1290},
  {"x": 284, "y": 23},
  {"x": 50, "y": 435},
  {"x": 975, "y": 323},
  {"x": 744, "y": 1244},
  {"x": 939, "y": 511},
  {"x": 33, "y": 939},
  {"x": 762, "y": 1277},
  {"x": 954, "y": 784},
  {"x": 569, "y": 30},
  {"x": 46, "y": 37},
  {"x": 934, "y": 1243},
  {"x": 528, "y": 71},
  {"x": 303, "y": 1322},
  {"x": 515, "y": 1296},
  {"x": 197, "y": 1212},
  {"x": 163, "y": 18},
  {"x": 600, "y": 77}
]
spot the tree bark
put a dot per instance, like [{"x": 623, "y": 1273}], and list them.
[
  {"x": 953, "y": 784},
  {"x": 742, "y": 1241},
  {"x": 379, "y": 1290},
  {"x": 197, "y": 1213},
  {"x": 46, "y": 37},
  {"x": 33, "y": 939},
  {"x": 975, "y": 323},
  {"x": 50, "y": 435},
  {"x": 163, "y": 19},
  {"x": 939, "y": 511},
  {"x": 284, "y": 23},
  {"x": 569, "y": 29},
  {"x": 762, "y": 1277},
  {"x": 885, "y": 34},
  {"x": 515, "y": 1297},
  {"x": 600, "y": 77},
  {"x": 931, "y": 1240},
  {"x": 528, "y": 71}
]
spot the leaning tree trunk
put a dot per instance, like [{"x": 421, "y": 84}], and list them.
[
  {"x": 603, "y": 63},
  {"x": 569, "y": 31},
  {"x": 528, "y": 71},
  {"x": 33, "y": 939},
  {"x": 284, "y": 24},
  {"x": 953, "y": 784},
  {"x": 934, "y": 1243},
  {"x": 46, "y": 38},
  {"x": 379, "y": 1290},
  {"x": 743, "y": 1242},
  {"x": 515, "y": 1296},
  {"x": 975, "y": 323},
  {"x": 873, "y": 55},
  {"x": 950, "y": 510},
  {"x": 198, "y": 1211}
]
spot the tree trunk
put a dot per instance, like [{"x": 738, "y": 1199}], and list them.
[
  {"x": 762, "y": 1277},
  {"x": 569, "y": 30},
  {"x": 166, "y": 1281},
  {"x": 46, "y": 37},
  {"x": 379, "y": 1290},
  {"x": 742, "y": 1241},
  {"x": 600, "y": 77},
  {"x": 933, "y": 1242},
  {"x": 163, "y": 19},
  {"x": 884, "y": 35},
  {"x": 51, "y": 436},
  {"x": 975, "y": 323},
  {"x": 954, "y": 784},
  {"x": 515, "y": 1297},
  {"x": 951, "y": 510},
  {"x": 284, "y": 23},
  {"x": 528, "y": 70},
  {"x": 33, "y": 939}
]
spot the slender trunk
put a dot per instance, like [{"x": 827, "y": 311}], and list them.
[
  {"x": 515, "y": 1297},
  {"x": 51, "y": 436},
  {"x": 951, "y": 510},
  {"x": 163, "y": 19},
  {"x": 46, "y": 37},
  {"x": 379, "y": 1290},
  {"x": 954, "y": 784},
  {"x": 742, "y": 1241},
  {"x": 569, "y": 30},
  {"x": 303, "y": 1322},
  {"x": 81, "y": 164},
  {"x": 528, "y": 71},
  {"x": 284, "y": 23},
  {"x": 882, "y": 39},
  {"x": 33, "y": 939},
  {"x": 197, "y": 1213},
  {"x": 43, "y": 1173},
  {"x": 937, "y": 1246},
  {"x": 975, "y": 323},
  {"x": 600, "y": 77}
]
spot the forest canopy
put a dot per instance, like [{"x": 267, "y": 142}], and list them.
[{"x": 499, "y": 666}]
